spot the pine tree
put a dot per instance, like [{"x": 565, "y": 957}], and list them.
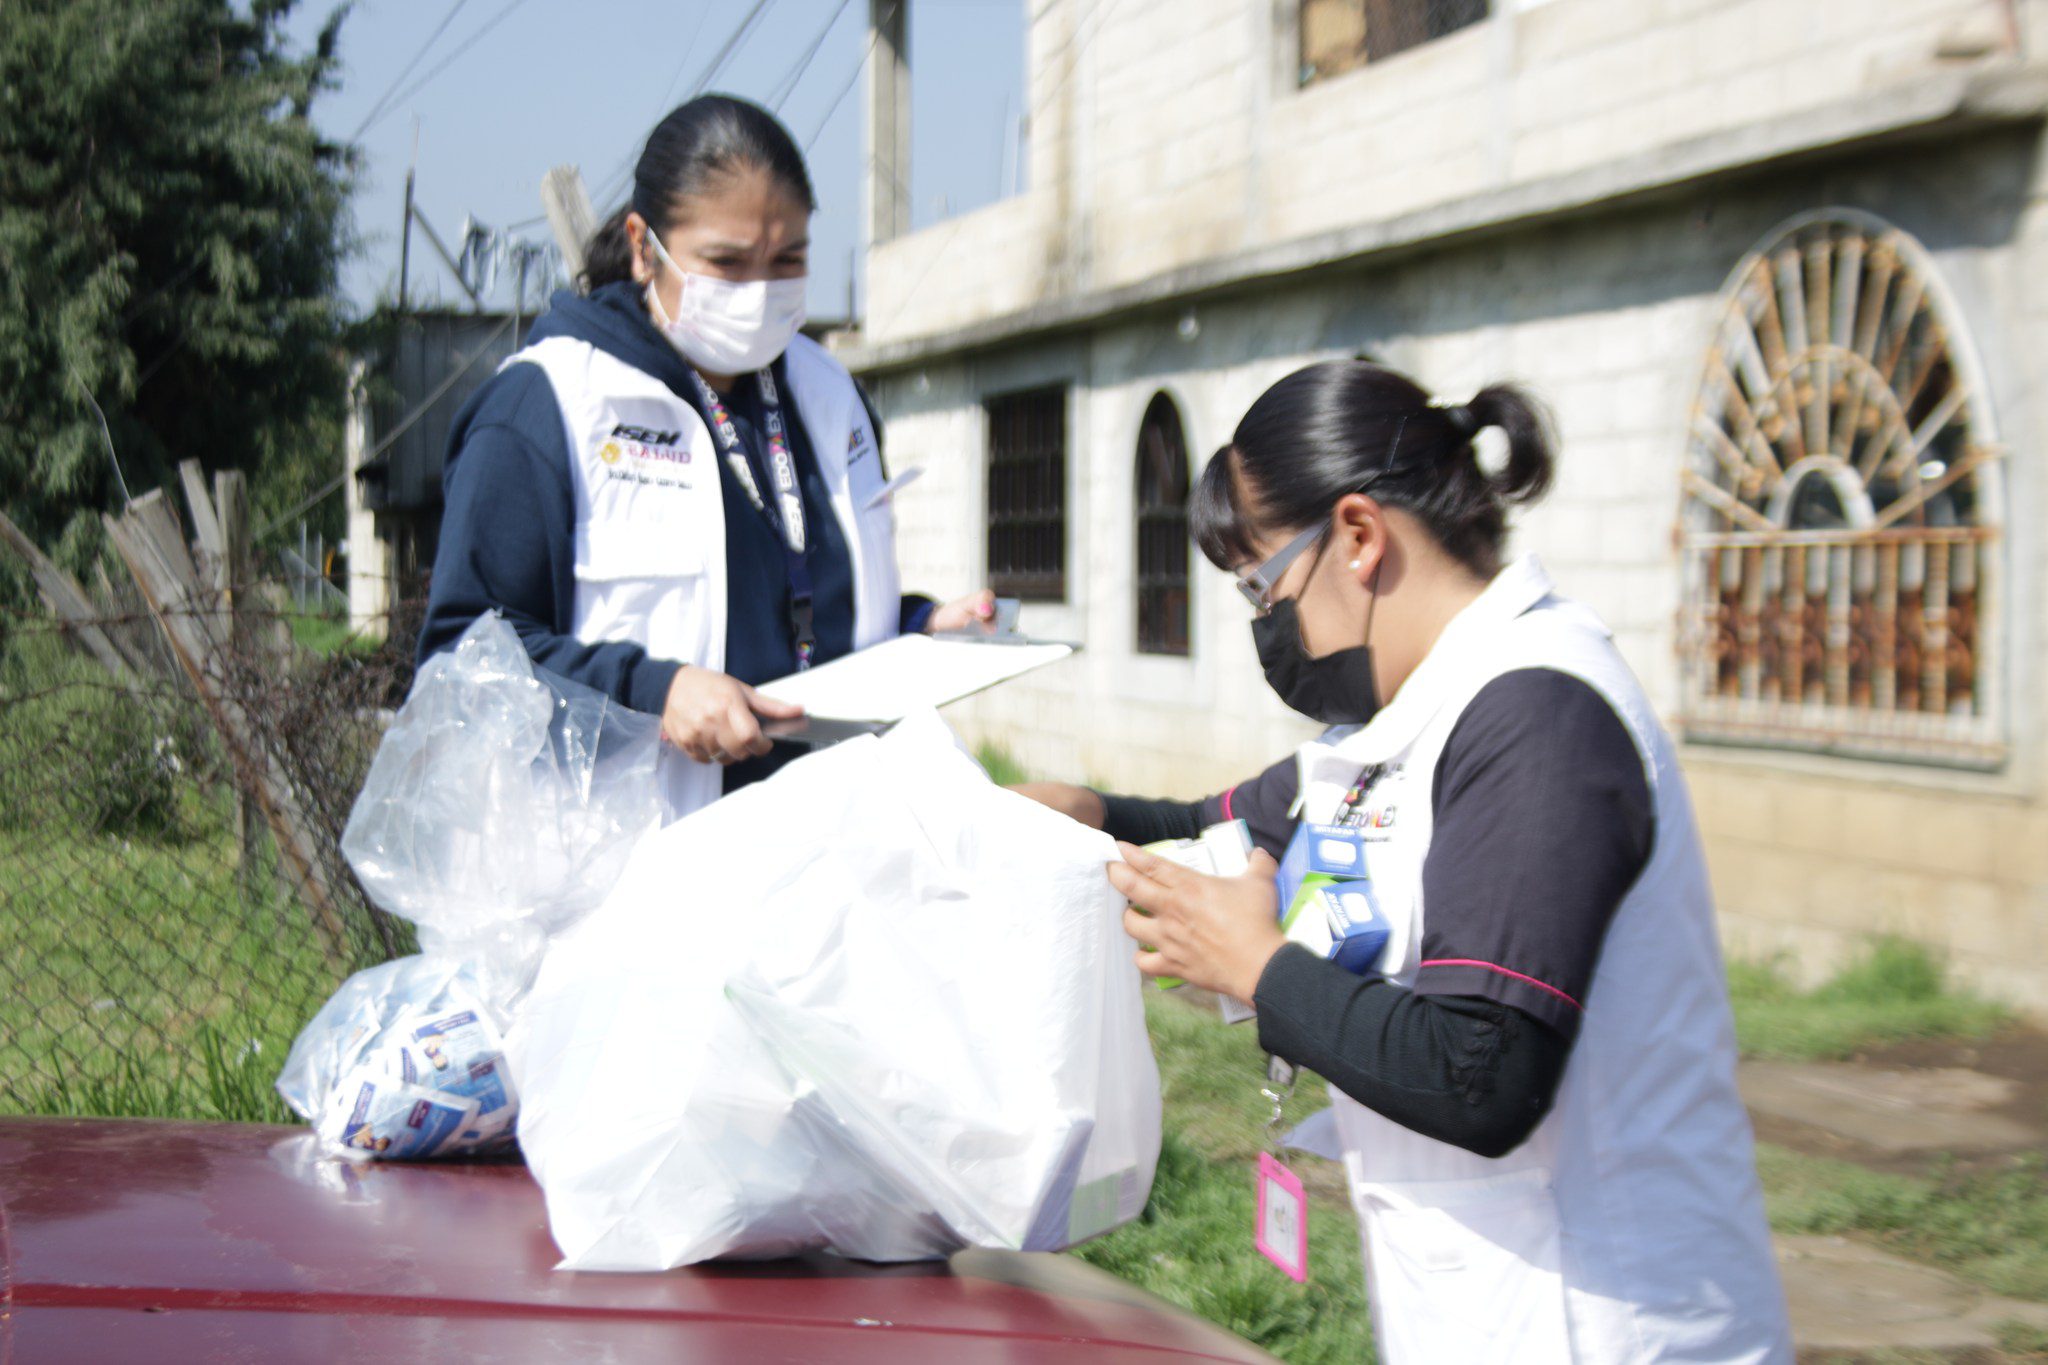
[{"x": 171, "y": 227}]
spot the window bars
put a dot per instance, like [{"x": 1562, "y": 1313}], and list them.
[
  {"x": 1027, "y": 495},
  {"x": 1841, "y": 524}
]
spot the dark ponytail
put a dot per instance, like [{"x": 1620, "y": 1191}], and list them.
[
  {"x": 692, "y": 152},
  {"x": 1532, "y": 455},
  {"x": 1352, "y": 426}
]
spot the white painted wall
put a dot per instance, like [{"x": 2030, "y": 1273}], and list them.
[{"x": 1165, "y": 132}]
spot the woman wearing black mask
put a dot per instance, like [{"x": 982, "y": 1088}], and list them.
[{"x": 1534, "y": 1082}]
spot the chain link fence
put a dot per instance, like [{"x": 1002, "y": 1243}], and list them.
[{"x": 171, "y": 893}]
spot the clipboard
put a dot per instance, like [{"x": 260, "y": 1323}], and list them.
[
  {"x": 869, "y": 691},
  {"x": 818, "y": 732}
]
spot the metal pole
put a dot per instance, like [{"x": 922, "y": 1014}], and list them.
[
  {"x": 405, "y": 238},
  {"x": 519, "y": 298}
]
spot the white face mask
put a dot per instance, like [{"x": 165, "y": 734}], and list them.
[{"x": 723, "y": 327}]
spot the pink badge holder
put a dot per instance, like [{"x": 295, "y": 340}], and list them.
[{"x": 1281, "y": 1233}]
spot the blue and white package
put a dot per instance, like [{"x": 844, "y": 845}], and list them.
[
  {"x": 1327, "y": 899},
  {"x": 406, "y": 1033},
  {"x": 384, "y": 1118}
]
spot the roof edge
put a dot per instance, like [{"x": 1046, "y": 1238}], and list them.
[{"x": 1981, "y": 96}]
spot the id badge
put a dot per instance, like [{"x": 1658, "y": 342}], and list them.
[{"x": 1282, "y": 1234}]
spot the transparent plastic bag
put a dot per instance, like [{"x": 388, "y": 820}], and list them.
[
  {"x": 503, "y": 802},
  {"x": 405, "y": 1061},
  {"x": 501, "y": 793},
  {"x": 875, "y": 1005}
]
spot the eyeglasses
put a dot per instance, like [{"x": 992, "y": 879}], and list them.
[{"x": 1257, "y": 586}]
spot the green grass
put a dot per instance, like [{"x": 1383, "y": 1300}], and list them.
[
  {"x": 1987, "y": 1226},
  {"x": 1894, "y": 991},
  {"x": 142, "y": 981},
  {"x": 1193, "y": 1246},
  {"x": 2024, "y": 1339},
  {"x": 327, "y": 635}
]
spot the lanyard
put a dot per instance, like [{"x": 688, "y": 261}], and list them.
[{"x": 786, "y": 513}]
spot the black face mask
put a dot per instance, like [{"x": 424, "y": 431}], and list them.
[{"x": 1337, "y": 689}]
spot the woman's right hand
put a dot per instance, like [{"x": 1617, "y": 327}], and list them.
[
  {"x": 1076, "y": 803},
  {"x": 715, "y": 718}
]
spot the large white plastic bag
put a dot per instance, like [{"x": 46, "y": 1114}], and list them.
[
  {"x": 875, "y": 1005},
  {"x": 502, "y": 802}
]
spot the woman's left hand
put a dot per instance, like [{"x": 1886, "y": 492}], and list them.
[
  {"x": 965, "y": 613},
  {"x": 1217, "y": 933}
]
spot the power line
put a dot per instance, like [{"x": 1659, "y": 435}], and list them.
[
  {"x": 405, "y": 424},
  {"x": 471, "y": 41},
  {"x": 858, "y": 67},
  {"x": 1074, "y": 63},
  {"x": 739, "y": 35},
  {"x": 616, "y": 180},
  {"x": 786, "y": 87},
  {"x": 417, "y": 57},
  {"x": 617, "y": 173}
]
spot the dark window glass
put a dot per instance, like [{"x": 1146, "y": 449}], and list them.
[
  {"x": 1027, "y": 495},
  {"x": 1343, "y": 35},
  {"x": 1162, "y": 576}
]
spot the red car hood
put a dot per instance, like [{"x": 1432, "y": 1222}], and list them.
[{"x": 138, "y": 1239}]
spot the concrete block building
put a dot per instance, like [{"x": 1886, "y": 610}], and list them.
[{"x": 1779, "y": 266}]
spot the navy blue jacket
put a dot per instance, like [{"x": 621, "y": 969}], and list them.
[{"x": 508, "y": 527}]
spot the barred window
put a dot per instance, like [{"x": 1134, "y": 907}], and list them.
[
  {"x": 1343, "y": 35},
  {"x": 1027, "y": 495},
  {"x": 1162, "y": 568},
  {"x": 1842, "y": 508}
]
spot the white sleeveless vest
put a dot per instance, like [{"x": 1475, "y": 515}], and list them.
[
  {"x": 650, "y": 521},
  {"x": 1630, "y": 1226}
]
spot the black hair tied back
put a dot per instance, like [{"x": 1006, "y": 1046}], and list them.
[
  {"x": 1352, "y": 426},
  {"x": 692, "y": 152}
]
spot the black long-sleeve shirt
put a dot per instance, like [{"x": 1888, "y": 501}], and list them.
[{"x": 1543, "y": 820}]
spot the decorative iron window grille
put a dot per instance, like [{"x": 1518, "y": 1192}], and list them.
[
  {"x": 1162, "y": 567},
  {"x": 1342, "y": 35},
  {"x": 1842, "y": 508},
  {"x": 1027, "y": 495}
]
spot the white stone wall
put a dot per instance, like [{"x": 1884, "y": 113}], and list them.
[{"x": 1166, "y": 132}]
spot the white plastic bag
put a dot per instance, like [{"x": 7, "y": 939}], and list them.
[
  {"x": 875, "y": 1005},
  {"x": 502, "y": 803}
]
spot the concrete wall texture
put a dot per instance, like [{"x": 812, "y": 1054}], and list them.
[{"x": 1172, "y": 137}]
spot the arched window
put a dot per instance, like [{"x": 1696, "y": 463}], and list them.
[
  {"x": 1843, "y": 508},
  {"x": 1162, "y": 576}
]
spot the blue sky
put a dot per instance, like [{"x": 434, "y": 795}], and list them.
[{"x": 582, "y": 81}]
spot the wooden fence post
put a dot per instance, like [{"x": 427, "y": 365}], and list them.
[
  {"x": 73, "y": 608},
  {"x": 233, "y": 579},
  {"x": 150, "y": 543}
]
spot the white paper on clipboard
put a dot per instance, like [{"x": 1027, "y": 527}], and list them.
[{"x": 888, "y": 681}]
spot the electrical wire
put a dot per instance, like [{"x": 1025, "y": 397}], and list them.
[
  {"x": 858, "y": 67},
  {"x": 417, "y": 57},
  {"x": 786, "y": 87},
  {"x": 405, "y": 424},
  {"x": 461, "y": 50}
]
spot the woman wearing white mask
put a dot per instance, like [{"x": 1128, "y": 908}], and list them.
[
  {"x": 670, "y": 493},
  {"x": 1534, "y": 1083}
]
